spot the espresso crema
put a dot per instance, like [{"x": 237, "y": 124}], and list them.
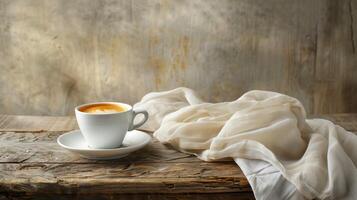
[{"x": 102, "y": 108}]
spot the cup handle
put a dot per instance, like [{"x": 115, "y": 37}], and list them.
[{"x": 135, "y": 113}]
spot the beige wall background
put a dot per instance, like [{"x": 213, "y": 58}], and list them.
[{"x": 57, "y": 54}]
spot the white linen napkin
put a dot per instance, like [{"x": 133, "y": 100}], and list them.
[{"x": 282, "y": 154}]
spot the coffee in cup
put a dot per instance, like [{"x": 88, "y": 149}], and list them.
[
  {"x": 102, "y": 108},
  {"x": 105, "y": 124}
]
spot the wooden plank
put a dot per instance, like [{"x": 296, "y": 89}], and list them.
[
  {"x": 122, "y": 178},
  {"x": 18, "y": 147},
  {"x": 150, "y": 196},
  {"x": 20, "y": 123},
  {"x": 31, "y": 163},
  {"x": 117, "y": 172}
]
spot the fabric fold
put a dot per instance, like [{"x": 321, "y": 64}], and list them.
[{"x": 283, "y": 155}]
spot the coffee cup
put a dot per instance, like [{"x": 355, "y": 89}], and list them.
[{"x": 105, "y": 124}]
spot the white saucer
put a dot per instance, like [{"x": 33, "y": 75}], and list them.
[{"x": 74, "y": 142}]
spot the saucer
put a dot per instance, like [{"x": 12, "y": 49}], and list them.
[{"x": 74, "y": 142}]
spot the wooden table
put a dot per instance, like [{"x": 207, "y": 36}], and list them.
[{"x": 33, "y": 165}]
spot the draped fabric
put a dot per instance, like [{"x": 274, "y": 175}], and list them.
[{"x": 283, "y": 154}]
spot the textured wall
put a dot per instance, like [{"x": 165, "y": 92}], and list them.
[{"x": 57, "y": 54}]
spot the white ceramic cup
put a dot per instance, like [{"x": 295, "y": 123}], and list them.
[{"x": 107, "y": 130}]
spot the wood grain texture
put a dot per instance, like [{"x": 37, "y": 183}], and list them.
[
  {"x": 32, "y": 165},
  {"x": 56, "y": 55},
  {"x": 117, "y": 178},
  {"x": 20, "y": 147},
  {"x": 20, "y": 123},
  {"x": 181, "y": 196}
]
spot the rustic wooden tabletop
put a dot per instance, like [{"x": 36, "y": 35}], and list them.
[{"x": 33, "y": 165}]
